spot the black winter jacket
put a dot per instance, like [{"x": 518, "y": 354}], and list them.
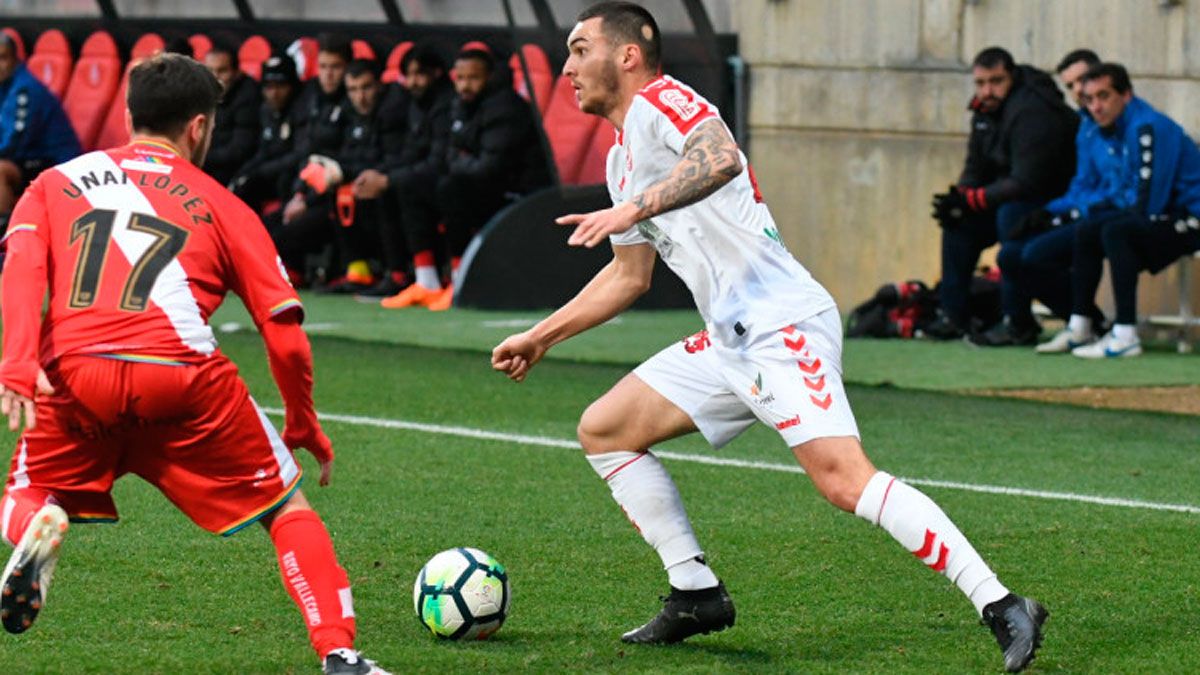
[
  {"x": 426, "y": 134},
  {"x": 235, "y": 130},
  {"x": 1025, "y": 150},
  {"x": 277, "y": 159},
  {"x": 494, "y": 139}
]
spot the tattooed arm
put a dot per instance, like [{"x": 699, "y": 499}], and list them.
[{"x": 710, "y": 160}]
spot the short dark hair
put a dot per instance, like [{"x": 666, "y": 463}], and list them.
[
  {"x": 334, "y": 43},
  {"x": 360, "y": 67},
  {"x": 221, "y": 47},
  {"x": 426, "y": 56},
  {"x": 483, "y": 56},
  {"x": 626, "y": 23},
  {"x": 994, "y": 56},
  {"x": 1114, "y": 71},
  {"x": 168, "y": 90},
  {"x": 1086, "y": 55}
]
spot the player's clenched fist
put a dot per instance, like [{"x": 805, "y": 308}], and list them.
[{"x": 516, "y": 355}]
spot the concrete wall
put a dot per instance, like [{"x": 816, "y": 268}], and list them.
[{"x": 858, "y": 113}]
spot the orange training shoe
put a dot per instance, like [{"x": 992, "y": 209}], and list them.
[
  {"x": 442, "y": 301},
  {"x": 413, "y": 296}
]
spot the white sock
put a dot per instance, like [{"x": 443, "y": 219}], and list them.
[
  {"x": 922, "y": 528},
  {"x": 427, "y": 277},
  {"x": 1125, "y": 332},
  {"x": 691, "y": 575},
  {"x": 1080, "y": 326},
  {"x": 645, "y": 492}
]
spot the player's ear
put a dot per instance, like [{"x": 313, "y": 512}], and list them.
[
  {"x": 197, "y": 128},
  {"x": 631, "y": 57},
  {"x": 128, "y": 122}
]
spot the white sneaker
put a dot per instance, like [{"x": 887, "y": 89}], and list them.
[
  {"x": 1064, "y": 341},
  {"x": 26, "y": 579},
  {"x": 1109, "y": 347}
]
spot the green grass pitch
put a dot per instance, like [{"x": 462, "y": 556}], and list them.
[{"x": 817, "y": 590}]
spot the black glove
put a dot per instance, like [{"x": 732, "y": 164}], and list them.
[
  {"x": 1035, "y": 222},
  {"x": 949, "y": 207}
]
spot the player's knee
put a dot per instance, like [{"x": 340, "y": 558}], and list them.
[{"x": 594, "y": 432}]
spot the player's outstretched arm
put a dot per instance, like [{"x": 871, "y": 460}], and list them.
[
  {"x": 290, "y": 357},
  {"x": 614, "y": 288},
  {"x": 710, "y": 159}
]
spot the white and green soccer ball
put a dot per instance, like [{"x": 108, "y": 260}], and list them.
[{"x": 462, "y": 594}]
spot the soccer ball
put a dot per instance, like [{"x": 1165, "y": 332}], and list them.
[{"x": 462, "y": 594}]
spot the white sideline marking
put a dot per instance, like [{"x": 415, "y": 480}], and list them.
[{"x": 544, "y": 441}]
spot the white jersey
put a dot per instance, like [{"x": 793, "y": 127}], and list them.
[{"x": 725, "y": 247}]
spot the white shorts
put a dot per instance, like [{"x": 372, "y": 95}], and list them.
[{"x": 790, "y": 379}]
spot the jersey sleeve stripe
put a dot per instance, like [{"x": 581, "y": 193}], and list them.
[
  {"x": 291, "y": 303},
  {"x": 23, "y": 227}
]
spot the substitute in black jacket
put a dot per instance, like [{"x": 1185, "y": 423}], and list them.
[
  {"x": 271, "y": 173},
  {"x": 494, "y": 151},
  {"x": 236, "y": 127},
  {"x": 411, "y": 177},
  {"x": 1021, "y": 154}
]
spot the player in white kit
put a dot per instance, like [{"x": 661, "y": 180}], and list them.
[{"x": 771, "y": 350}]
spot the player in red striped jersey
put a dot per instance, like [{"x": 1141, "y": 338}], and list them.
[
  {"x": 138, "y": 247},
  {"x": 770, "y": 352}
]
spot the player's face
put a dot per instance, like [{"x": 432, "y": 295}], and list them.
[
  {"x": 1103, "y": 102},
  {"x": 8, "y": 62},
  {"x": 1072, "y": 79},
  {"x": 363, "y": 92},
  {"x": 221, "y": 66},
  {"x": 419, "y": 81},
  {"x": 276, "y": 94},
  {"x": 471, "y": 76},
  {"x": 331, "y": 68},
  {"x": 592, "y": 68},
  {"x": 991, "y": 86}
]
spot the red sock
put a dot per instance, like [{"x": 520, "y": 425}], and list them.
[
  {"x": 312, "y": 576},
  {"x": 17, "y": 509}
]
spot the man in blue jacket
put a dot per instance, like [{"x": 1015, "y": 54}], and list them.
[
  {"x": 1137, "y": 200},
  {"x": 34, "y": 131}
]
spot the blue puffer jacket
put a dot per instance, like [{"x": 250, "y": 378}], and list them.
[
  {"x": 1144, "y": 162},
  {"x": 33, "y": 125}
]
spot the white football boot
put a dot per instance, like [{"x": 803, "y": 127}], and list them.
[
  {"x": 350, "y": 662},
  {"x": 26, "y": 579}
]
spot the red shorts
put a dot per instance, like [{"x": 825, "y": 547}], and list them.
[{"x": 190, "y": 430}]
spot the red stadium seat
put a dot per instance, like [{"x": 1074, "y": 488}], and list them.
[
  {"x": 251, "y": 55},
  {"x": 51, "y": 61},
  {"x": 595, "y": 163},
  {"x": 200, "y": 45},
  {"x": 304, "y": 52},
  {"x": 18, "y": 40},
  {"x": 475, "y": 44},
  {"x": 146, "y": 46},
  {"x": 113, "y": 133},
  {"x": 362, "y": 50},
  {"x": 93, "y": 83},
  {"x": 569, "y": 131},
  {"x": 393, "y": 72},
  {"x": 539, "y": 73}
]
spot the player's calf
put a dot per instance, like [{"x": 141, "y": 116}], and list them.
[
  {"x": 26, "y": 579},
  {"x": 686, "y": 613}
]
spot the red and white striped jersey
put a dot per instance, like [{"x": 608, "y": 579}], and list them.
[
  {"x": 725, "y": 247},
  {"x": 141, "y": 247}
]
